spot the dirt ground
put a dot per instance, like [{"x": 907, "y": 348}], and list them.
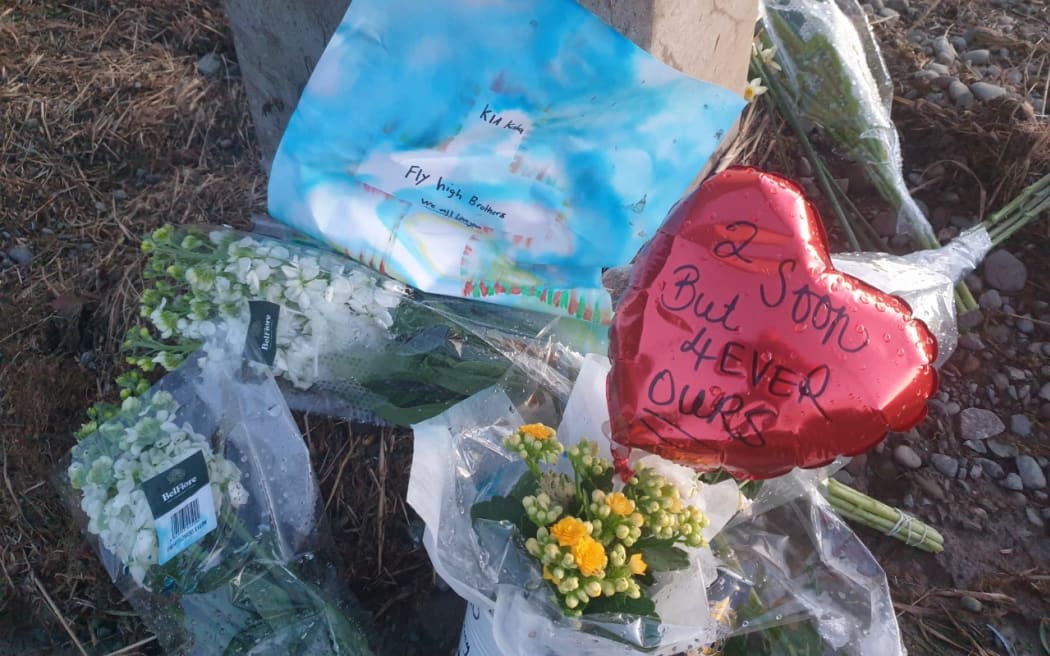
[{"x": 111, "y": 124}]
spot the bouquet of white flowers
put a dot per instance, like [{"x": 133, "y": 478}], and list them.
[
  {"x": 185, "y": 493},
  {"x": 339, "y": 337}
]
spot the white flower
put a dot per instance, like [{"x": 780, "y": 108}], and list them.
[
  {"x": 149, "y": 443},
  {"x": 754, "y": 89},
  {"x": 768, "y": 56}
]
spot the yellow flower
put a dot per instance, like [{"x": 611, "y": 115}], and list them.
[
  {"x": 538, "y": 432},
  {"x": 620, "y": 504},
  {"x": 547, "y": 576},
  {"x": 637, "y": 564},
  {"x": 569, "y": 531},
  {"x": 590, "y": 556},
  {"x": 754, "y": 89}
]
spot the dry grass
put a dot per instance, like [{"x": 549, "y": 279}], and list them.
[{"x": 107, "y": 130}]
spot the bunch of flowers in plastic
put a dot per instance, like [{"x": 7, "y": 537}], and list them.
[
  {"x": 593, "y": 540},
  {"x": 203, "y": 281},
  {"x": 141, "y": 441}
]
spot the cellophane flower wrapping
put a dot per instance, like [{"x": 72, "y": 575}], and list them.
[
  {"x": 346, "y": 340},
  {"x": 783, "y": 571},
  {"x": 261, "y": 580}
]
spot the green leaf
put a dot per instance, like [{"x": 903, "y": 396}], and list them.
[
  {"x": 509, "y": 508},
  {"x": 662, "y": 555},
  {"x": 621, "y": 603}
]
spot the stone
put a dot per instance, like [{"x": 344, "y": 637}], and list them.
[
  {"x": 1012, "y": 482},
  {"x": 1020, "y": 425},
  {"x": 946, "y": 465},
  {"x": 1044, "y": 392},
  {"x": 971, "y": 320},
  {"x": 939, "y": 69},
  {"x": 1016, "y": 499},
  {"x": 976, "y": 445},
  {"x": 975, "y": 283},
  {"x": 959, "y": 43},
  {"x": 960, "y": 93},
  {"x": 1001, "y": 449},
  {"x": 905, "y": 456},
  {"x": 843, "y": 476},
  {"x": 1026, "y": 325},
  {"x": 976, "y": 471},
  {"x": 1000, "y": 381},
  {"x": 1033, "y": 517},
  {"x": 979, "y": 424},
  {"x": 903, "y": 6},
  {"x": 999, "y": 333},
  {"x": 944, "y": 51},
  {"x": 979, "y": 57},
  {"x": 857, "y": 465},
  {"x": 20, "y": 255},
  {"x": 1044, "y": 411},
  {"x": 930, "y": 487},
  {"x": 1016, "y": 374},
  {"x": 990, "y": 467},
  {"x": 1031, "y": 473},
  {"x": 1005, "y": 272},
  {"x": 210, "y": 65},
  {"x": 990, "y": 299},
  {"x": 889, "y": 14},
  {"x": 971, "y": 342},
  {"x": 970, "y": 604}
]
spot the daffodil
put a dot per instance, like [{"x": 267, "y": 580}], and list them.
[{"x": 754, "y": 89}]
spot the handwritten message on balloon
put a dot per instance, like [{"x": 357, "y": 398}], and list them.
[{"x": 737, "y": 344}]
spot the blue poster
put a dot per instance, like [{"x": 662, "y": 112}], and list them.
[{"x": 505, "y": 150}]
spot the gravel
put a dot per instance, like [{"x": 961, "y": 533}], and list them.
[
  {"x": 990, "y": 299},
  {"x": 979, "y": 424},
  {"x": 976, "y": 445},
  {"x": 971, "y": 604},
  {"x": 1001, "y": 449},
  {"x": 1004, "y": 271},
  {"x": 946, "y": 465},
  {"x": 944, "y": 51},
  {"x": 960, "y": 93},
  {"x": 20, "y": 255},
  {"x": 1030, "y": 472},
  {"x": 980, "y": 56},
  {"x": 990, "y": 467},
  {"x": 1012, "y": 482},
  {"x": 1020, "y": 425},
  {"x": 210, "y": 65},
  {"x": 906, "y": 457}
]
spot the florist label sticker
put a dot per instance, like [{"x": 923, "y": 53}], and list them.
[
  {"x": 261, "y": 342},
  {"x": 508, "y": 154},
  {"x": 183, "y": 508}
]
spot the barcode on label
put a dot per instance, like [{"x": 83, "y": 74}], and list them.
[{"x": 185, "y": 518}]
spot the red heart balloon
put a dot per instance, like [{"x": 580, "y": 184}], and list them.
[{"x": 737, "y": 345}]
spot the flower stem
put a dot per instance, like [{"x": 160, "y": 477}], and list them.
[{"x": 861, "y": 508}]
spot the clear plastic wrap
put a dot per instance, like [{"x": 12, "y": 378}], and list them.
[
  {"x": 783, "y": 570},
  {"x": 925, "y": 279},
  {"x": 341, "y": 338},
  {"x": 838, "y": 80},
  {"x": 240, "y": 565}
]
